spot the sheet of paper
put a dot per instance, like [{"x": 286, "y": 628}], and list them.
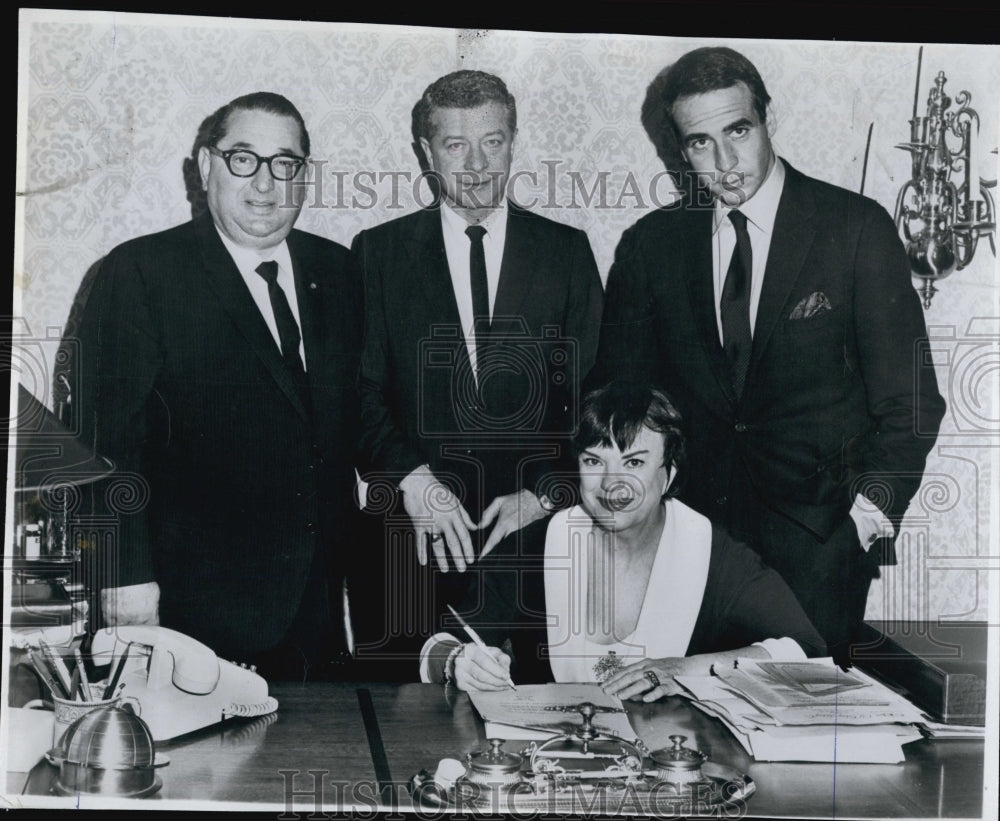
[
  {"x": 850, "y": 744},
  {"x": 879, "y": 744},
  {"x": 551, "y": 708},
  {"x": 495, "y": 729},
  {"x": 811, "y": 693}
]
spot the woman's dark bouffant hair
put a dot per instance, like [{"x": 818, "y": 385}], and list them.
[{"x": 615, "y": 413}]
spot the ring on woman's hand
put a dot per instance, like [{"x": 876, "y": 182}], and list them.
[
  {"x": 436, "y": 537},
  {"x": 653, "y": 678}
]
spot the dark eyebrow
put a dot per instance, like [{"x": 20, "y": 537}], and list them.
[
  {"x": 464, "y": 138},
  {"x": 249, "y": 147},
  {"x": 743, "y": 122},
  {"x": 624, "y": 455}
]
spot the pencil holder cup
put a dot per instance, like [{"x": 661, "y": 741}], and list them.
[{"x": 67, "y": 711}]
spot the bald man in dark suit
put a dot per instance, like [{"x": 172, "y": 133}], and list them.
[{"x": 219, "y": 368}]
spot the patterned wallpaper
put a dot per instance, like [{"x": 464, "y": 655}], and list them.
[{"x": 109, "y": 105}]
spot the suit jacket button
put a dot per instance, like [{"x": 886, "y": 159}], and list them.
[
  {"x": 740, "y": 427},
  {"x": 722, "y": 500}
]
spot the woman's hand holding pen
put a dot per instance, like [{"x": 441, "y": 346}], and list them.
[{"x": 478, "y": 668}]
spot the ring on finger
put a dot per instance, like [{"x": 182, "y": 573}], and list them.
[
  {"x": 652, "y": 678},
  {"x": 435, "y": 537}
]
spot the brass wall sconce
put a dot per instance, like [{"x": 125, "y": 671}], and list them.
[{"x": 944, "y": 209}]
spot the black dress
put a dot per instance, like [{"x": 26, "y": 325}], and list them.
[{"x": 744, "y": 602}]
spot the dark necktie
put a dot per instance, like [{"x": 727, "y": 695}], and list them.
[
  {"x": 288, "y": 329},
  {"x": 480, "y": 287},
  {"x": 735, "y": 305}
]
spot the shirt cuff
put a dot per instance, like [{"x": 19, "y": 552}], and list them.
[
  {"x": 783, "y": 649},
  {"x": 131, "y": 604},
  {"x": 870, "y": 522},
  {"x": 425, "y": 653}
]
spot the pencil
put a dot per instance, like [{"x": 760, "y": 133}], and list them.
[
  {"x": 475, "y": 637},
  {"x": 58, "y": 668},
  {"x": 43, "y": 672},
  {"x": 110, "y": 689},
  {"x": 74, "y": 685},
  {"x": 84, "y": 681}
]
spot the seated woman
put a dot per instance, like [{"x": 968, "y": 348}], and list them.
[{"x": 629, "y": 588}]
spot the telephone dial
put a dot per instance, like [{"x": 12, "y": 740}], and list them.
[{"x": 176, "y": 684}]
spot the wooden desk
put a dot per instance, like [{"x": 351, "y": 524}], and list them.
[{"x": 318, "y": 745}]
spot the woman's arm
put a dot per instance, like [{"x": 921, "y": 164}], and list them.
[
  {"x": 650, "y": 679},
  {"x": 444, "y": 659},
  {"x": 746, "y": 602},
  {"x": 503, "y": 598}
]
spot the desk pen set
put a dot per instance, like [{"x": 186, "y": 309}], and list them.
[{"x": 584, "y": 768}]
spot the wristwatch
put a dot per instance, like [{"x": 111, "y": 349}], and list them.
[{"x": 547, "y": 504}]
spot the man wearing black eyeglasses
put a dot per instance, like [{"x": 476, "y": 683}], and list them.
[{"x": 219, "y": 363}]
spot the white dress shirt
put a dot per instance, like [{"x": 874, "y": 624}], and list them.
[
  {"x": 247, "y": 260},
  {"x": 760, "y": 211},
  {"x": 457, "y": 246}
]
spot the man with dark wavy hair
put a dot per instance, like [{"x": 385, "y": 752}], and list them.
[
  {"x": 219, "y": 366},
  {"x": 481, "y": 319},
  {"x": 778, "y": 311}
]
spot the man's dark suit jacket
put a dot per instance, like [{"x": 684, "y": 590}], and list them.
[
  {"x": 183, "y": 385},
  {"x": 840, "y": 402},
  {"x": 419, "y": 400}
]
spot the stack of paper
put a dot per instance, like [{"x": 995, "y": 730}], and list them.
[
  {"x": 807, "y": 711},
  {"x": 541, "y": 711}
]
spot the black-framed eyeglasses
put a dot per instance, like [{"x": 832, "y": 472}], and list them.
[{"x": 244, "y": 163}]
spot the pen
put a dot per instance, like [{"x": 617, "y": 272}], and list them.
[
  {"x": 74, "y": 685},
  {"x": 43, "y": 672},
  {"x": 475, "y": 637},
  {"x": 84, "y": 681},
  {"x": 110, "y": 689},
  {"x": 58, "y": 668}
]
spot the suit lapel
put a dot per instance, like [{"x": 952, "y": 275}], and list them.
[
  {"x": 225, "y": 280},
  {"x": 699, "y": 276},
  {"x": 309, "y": 294},
  {"x": 793, "y": 236},
  {"x": 432, "y": 276},
  {"x": 516, "y": 272},
  {"x": 432, "y": 280}
]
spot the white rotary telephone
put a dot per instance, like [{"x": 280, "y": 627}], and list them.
[{"x": 178, "y": 683}]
